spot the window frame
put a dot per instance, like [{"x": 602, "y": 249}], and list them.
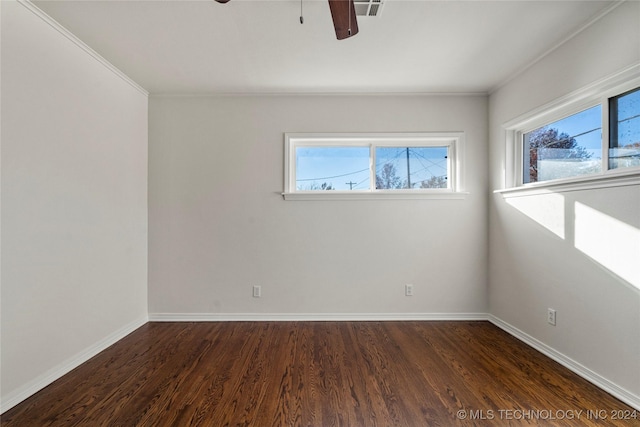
[
  {"x": 454, "y": 141},
  {"x": 548, "y": 120},
  {"x": 598, "y": 93}
]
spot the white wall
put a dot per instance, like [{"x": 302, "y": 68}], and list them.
[
  {"x": 531, "y": 266},
  {"x": 74, "y": 223},
  {"x": 74, "y": 209},
  {"x": 218, "y": 224}
]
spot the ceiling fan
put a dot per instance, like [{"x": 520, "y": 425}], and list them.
[{"x": 343, "y": 13}]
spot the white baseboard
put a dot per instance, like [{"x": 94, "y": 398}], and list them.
[
  {"x": 624, "y": 395},
  {"x": 50, "y": 376},
  {"x": 311, "y": 317},
  {"x": 37, "y": 384}
]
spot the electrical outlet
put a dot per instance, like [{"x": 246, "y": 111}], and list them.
[
  {"x": 408, "y": 290},
  {"x": 257, "y": 291},
  {"x": 551, "y": 316}
]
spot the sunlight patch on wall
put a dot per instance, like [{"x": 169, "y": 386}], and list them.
[
  {"x": 610, "y": 242},
  {"x": 547, "y": 210}
]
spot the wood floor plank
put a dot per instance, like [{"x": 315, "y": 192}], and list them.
[{"x": 320, "y": 374}]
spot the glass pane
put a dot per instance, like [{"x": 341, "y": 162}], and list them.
[
  {"x": 624, "y": 124},
  {"x": 332, "y": 168},
  {"x": 567, "y": 148},
  {"x": 411, "y": 167}
]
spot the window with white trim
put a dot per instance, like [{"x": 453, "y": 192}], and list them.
[
  {"x": 399, "y": 165},
  {"x": 566, "y": 148},
  {"x": 580, "y": 139},
  {"x": 624, "y": 130}
]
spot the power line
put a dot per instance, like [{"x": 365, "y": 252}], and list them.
[
  {"x": 433, "y": 162},
  {"x": 330, "y": 177},
  {"x": 629, "y": 118},
  {"x": 398, "y": 154},
  {"x": 400, "y": 151},
  {"x": 358, "y": 184},
  {"x": 568, "y": 138}
]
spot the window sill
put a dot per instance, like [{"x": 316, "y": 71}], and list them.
[
  {"x": 578, "y": 184},
  {"x": 396, "y": 195}
]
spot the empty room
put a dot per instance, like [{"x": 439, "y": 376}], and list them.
[{"x": 320, "y": 212}]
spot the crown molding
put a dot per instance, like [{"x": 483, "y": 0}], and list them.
[
  {"x": 284, "y": 94},
  {"x": 604, "y": 12},
  {"x": 82, "y": 45}
]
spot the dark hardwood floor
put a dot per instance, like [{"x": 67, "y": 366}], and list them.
[{"x": 320, "y": 374}]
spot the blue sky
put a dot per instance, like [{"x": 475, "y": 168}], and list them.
[
  {"x": 586, "y": 128},
  {"x": 579, "y": 125},
  {"x": 348, "y": 167},
  {"x": 629, "y": 118},
  {"x": 334, "y": 165}
]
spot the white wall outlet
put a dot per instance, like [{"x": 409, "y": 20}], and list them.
[
  {"x": 257, "y": 291},
  {"x": 408, "y": 290},
  {"x": 551, "y": 316}
]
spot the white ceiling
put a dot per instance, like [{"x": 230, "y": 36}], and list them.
[{"x": 259, "y": 46}]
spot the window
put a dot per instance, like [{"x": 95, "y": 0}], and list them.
[
  {"x": 372, "y": 165},
  {"x": 412, "y": 167},
  {"x": 566, "y": 148},
  {"x": 590, "y": 135},
  {"x": 624, "y": 130},
  {"x": 327, "y": 168}
]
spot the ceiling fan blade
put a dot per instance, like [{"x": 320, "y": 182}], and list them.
[
  {"x": 222, "y": 1},
  {"x": 343, "y": 13}
]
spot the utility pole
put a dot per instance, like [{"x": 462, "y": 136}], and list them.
[
  {"x": 408, "y": 170},
  {"x": 351, "y": 184}
]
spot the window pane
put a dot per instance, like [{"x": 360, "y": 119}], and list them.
[
  {"x": 411, "y": 167},
  {"x": 624, "y": 125},
  {"x": 332, "y": 168},
  {"x": 567, "y": 148}
]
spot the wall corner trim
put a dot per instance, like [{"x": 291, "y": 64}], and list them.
[
  {"x": 67, "y": 366},
  {"x": 581, "y": 370},
  {"x": 82, "y": 45}
]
